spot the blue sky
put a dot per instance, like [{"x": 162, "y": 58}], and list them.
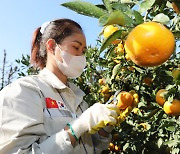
[{"x": 19, "y": 18}]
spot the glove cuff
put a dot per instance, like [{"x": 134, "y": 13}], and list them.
[{"x": 78, "y": 127}]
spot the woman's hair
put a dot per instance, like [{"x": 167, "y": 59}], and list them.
[{"x": 58, "y": 30}]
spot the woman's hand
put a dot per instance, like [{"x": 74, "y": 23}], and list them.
[{"x": 94, "y": 118}]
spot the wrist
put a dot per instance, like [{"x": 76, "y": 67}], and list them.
[
  {"x": 103, "y": 133},
  {"x": 71, "y": 137},
  {"x": 79, "y": 127}
]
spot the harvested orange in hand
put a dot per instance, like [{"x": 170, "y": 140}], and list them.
[
  {"x": 125, "y": 99},
  {"x": 172, "y": 108},
  {"x": 160, "y": 96},
  {"x": 150, "y": 44}
]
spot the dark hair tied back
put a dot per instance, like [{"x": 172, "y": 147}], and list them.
[{"x": 58, "y": 30}]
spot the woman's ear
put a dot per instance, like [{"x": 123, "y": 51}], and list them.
[{"x": 50, "y": 45}]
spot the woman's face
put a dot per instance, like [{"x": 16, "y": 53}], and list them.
[{"x": 74, "y": 44}]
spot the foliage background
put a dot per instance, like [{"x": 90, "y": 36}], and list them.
[{"x": 150, "y": 130}]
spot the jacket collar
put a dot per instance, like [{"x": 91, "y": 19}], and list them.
[{"x": 52, "y": 80}]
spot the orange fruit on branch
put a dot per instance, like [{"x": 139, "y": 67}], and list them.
[
  {"x": 148, "y": 81},
  {"x": 172, "y": 108},
  {"x": 105, "y": 90},
  {"x": 176, "y": 73},
  {"x": 111, "y": 146},
  {"x": 160, "y": 96},
  {"x": 117, "y": 148},
  {"x": 150, "y": 44},
  {"x": 109, "y": 30},
  {"x": 124, "y": 99},
  {"x": 101, "y": 81}
]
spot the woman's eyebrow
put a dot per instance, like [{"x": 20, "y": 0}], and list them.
[{"x": 79, "y": 43}]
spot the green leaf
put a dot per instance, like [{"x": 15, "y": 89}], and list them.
[
  {"x": 169, "y": 73},
  {"x": 110, "y": 39},
  {"x": 138, "y": 17},
  {"x": 176, "y": 35},
  {"x": 139, "y": 69},
  {"x": 122, "y": 7},
  {"x": 127, "y": 1},
  {"x": 171, "y": 128},
  {"x": 160, "y": 141},
  {"x": 115, "y": 17},
  {"x": 170, "y": 142},
  {"x": 146, "y": 5},
  {"x": 115, "y": 71},
  {"x": 162, "y": 18},
  {"x": 175, "y": 151},
  {"x": 128, "y": 11},
  {"x": 163, "y": 94},
  {"x": 125, "y": 146},
  {"x": 170, "y": 99},
  {"x": 107, "y": 5},
  {"x": 85, "y": 8}
]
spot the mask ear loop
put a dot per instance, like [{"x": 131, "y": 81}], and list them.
[
  {"x": 60, "y": 51},
  {"x": 59, "y": 47}
]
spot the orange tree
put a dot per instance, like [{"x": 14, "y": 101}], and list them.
[{"x": 150, "y": 127}]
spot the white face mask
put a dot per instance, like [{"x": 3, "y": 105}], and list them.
[{"x": 72, "y": 66}]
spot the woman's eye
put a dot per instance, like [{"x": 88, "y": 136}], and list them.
[{"x": 76, "y": 48}]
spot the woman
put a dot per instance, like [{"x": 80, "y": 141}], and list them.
[{"x": 45, "y": 113}]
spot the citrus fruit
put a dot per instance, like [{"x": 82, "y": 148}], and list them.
[
  {"x": 176, "y": 73},
  {"x": 125, "y": 99},
  {"x": 160, "y": 96},
  {"x": 117, "y": 148},
  {"x": 105, "y": 90},
  {"x": 111, "y": 146},
  {"x": 119, "y": 49},
  {"x": 172, "y": 108},
  {"x": 144, "y": 125},
  {"x": 135, "y": 110},
  {"x": 127, "y": 57},
  {"x": 146, "y": 44},
  {"x": 109, "y": 30},
  {"x": 148, "y": 81},
  {"x": 101, "y": 81},
  {"x": 136, "y": 96}
]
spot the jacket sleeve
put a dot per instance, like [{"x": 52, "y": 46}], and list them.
[
  {"x": 101, "y": 143},
  {"x": 21, "y": 123}
]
